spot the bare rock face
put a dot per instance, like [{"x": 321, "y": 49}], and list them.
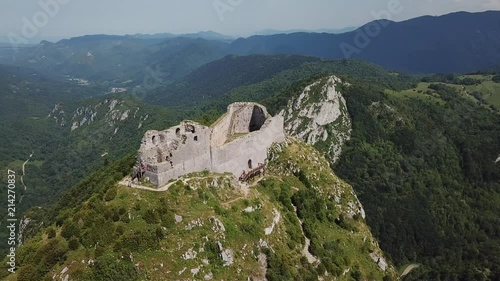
[
  {"x": 227, "y": 255},
  {"x": 277, "y": 215},
  {"x": 110, "y": 112},
  {"x": 189, "y": 255},
  {"x": 23, "y": 224},
  {"x": 319, "y": 115},
  {"x": 380, "y": 260}
]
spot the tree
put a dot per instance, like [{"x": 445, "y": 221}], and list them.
[
  {"x": 73, "y": 244},
  {"x": 51, "y": 233}
]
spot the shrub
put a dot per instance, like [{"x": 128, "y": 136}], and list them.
[
  {"x": 250, "y": 228},
  {"x": 159, "y": 233},
  {"x": 52, "y": 253},
  {"x": 108, "y": 267},
  {"x": 119, "y": 230},
  {"x": 122, "y": 211},
  {"x": 111, "y": 194},
  {"x": 73, "y": 244},
  {"x": 150, "y": 216},
  {"x": 69, "y": 230},
  {"x": 51, "y": 233},
  {"x": 140, "y": 240},
  {"x": 28, "y": 273}
]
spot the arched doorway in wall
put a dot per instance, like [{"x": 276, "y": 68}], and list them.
[{"x": 250, "y": 166}]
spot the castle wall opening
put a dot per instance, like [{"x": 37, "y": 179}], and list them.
[{"x": 257, "y": 120}]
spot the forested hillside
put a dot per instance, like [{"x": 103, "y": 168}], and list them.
[
  {"x": 423, "y": 162},
  {"x": 59, "y": 134}
]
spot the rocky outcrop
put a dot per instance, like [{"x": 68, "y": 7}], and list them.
[
  {"x": 380, "y": 260},
  {"x": 319, "y": 116},
  {"x": 388, "y": 116},
  {"x": 112, "y": 112}
]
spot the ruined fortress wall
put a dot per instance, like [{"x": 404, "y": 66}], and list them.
[
  {"x": 234, "y": 157},
  {"x": 193, "y": 151},
  {"x": 220, "y": 131},
  {"x": 248, "y": 118},
  {"x": 176, "y": 152},
  {"x": 191, "y": 147},
  {"x": 237, "y": 120}
]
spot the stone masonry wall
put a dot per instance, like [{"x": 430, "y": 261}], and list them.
[{"x": 191, "y": 147}]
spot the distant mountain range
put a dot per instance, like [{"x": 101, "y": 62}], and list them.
[
  {"x": 323, "y": 30},
  {"x": 208, "y": 35},
  {"x": 455, "y": 43},
  {"x": 458, "y": 42}
]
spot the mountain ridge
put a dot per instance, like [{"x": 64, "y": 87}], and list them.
[
  {"x": 415, "y": 45},
  {"x": 454, "y": 43}
]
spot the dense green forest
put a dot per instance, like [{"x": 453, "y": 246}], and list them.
[{"x": 425, "y": 171}]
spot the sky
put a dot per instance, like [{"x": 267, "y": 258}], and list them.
[{"x": 46, "y": 19}]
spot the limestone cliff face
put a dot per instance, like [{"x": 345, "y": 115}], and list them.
[
  {"x": 111, "y": 111},
  {"x": 319, "y": 116}
]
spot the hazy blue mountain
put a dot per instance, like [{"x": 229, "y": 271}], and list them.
[
  {"x": 454, "y": 43},
  {"x": 208, "y": 35},
  {"x": 458, "y": 42},
  {"x": 322, "y": 30}
]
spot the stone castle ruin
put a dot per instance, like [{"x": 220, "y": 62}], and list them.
[{"x": 236, "y": 143}]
